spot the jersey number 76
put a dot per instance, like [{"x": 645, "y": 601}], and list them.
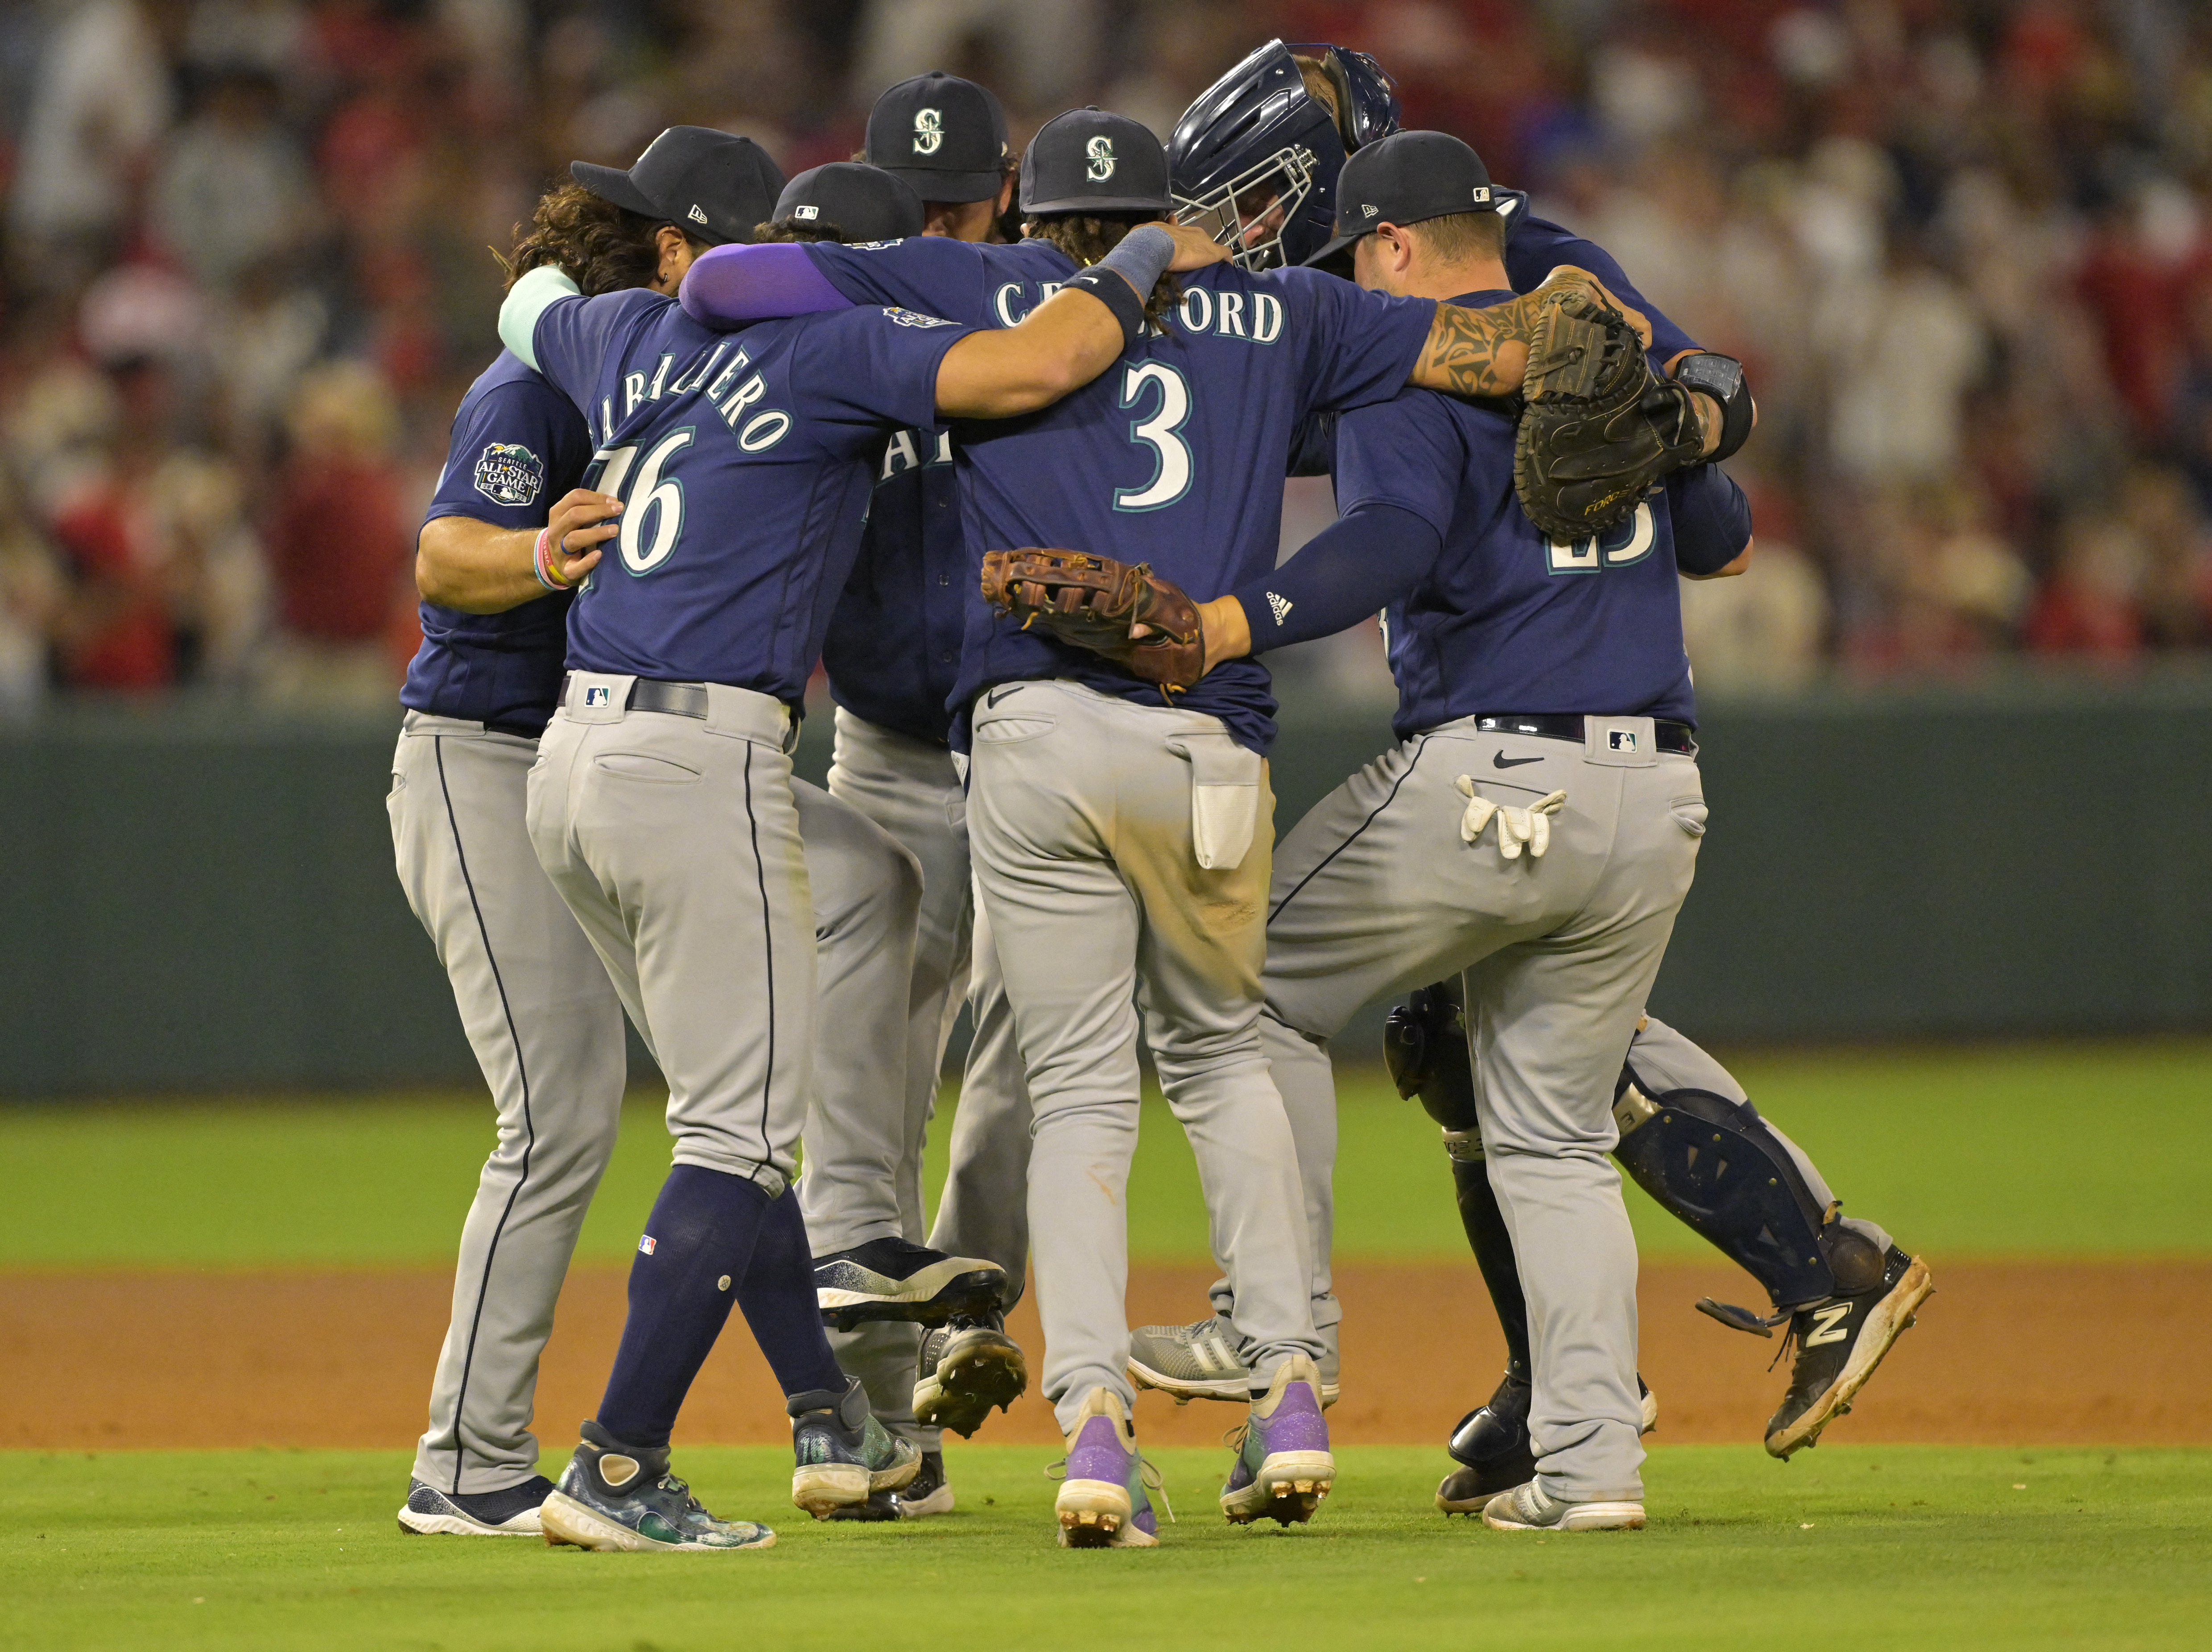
[{"x": 652, "y": 504}]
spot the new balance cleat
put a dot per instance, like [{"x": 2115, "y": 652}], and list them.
[
  {"x": 966, "y": 1367},
  {"x": 1492, "y": 1447},
  {"x": 1839, "y": 1342},
  {"x": 615, "y": 1496},
  {"x": 843, "y": 1455},
  {"x": 1283, "y": 1469},
  {"x": 1529, "y": 1508},
  {"x": 898, "y": 1280},
  {"x": 511, "y": 1511},
  {"x": 1104, "y": 1502},
  {"x": 1202, "y": 1361}
]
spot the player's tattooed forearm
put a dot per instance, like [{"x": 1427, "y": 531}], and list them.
[{"x": 1477, "y": 352}]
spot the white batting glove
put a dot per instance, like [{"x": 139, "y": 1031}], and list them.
[{"x": 1517, "y": 828}]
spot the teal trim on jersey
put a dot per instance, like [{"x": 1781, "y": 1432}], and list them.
[{"x": 528, "y": 298}]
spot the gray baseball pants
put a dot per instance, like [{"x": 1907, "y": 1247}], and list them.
[
  {"x": 1375, "y": 892},
  {"x": 676, "y": 842},
  {"x": 1088, "y": 819},
  {"x": 546, "y": 1027}
]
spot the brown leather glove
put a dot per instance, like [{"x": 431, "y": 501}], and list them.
[{"x": 1094, "y": 603}]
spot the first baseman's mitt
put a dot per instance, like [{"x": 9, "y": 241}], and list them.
[
  {"x": 1094, "y": 602},
  {"x": 1599, "y": 426}
]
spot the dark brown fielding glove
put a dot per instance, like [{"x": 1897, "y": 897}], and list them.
[
  {"x": 1094, "y": 602},
  {"x": 1599, "y": 426}
]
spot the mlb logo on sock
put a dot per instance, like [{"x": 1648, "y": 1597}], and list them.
[
  {"x": 1621, "y": 740},
  {"x": 646, "y": 1244},
  {"x": 600, "y": 695}
]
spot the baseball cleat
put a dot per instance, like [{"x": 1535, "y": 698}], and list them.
[
  {"x": 511, "y": 1511},
  {"x": 1840, "y": 1341},
  {"x": 966, "y": 1367},
  {"x": 615, "y": 1496},
  {"x": 1491, "y": 1445},
  {"x": 898, "y": 1280},
  {"x": 928, "y": 1492},
  {"x": 843, "y": 1455},
  {"x": 1104, "y": 1503},
  {"x": 1529, "y": 1508},
  {"x": 1203, "y": 1360},
  {"x": 1283, "y": 1469}
]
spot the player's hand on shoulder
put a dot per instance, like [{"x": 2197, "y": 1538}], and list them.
[
  {"x": 1572, "y": 278},
  {"x": 1195, "y": 248}
]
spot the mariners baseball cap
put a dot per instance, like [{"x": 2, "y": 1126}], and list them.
[
  {"x": 1403, "y": 178},
  {"x": 945, "y": 138},
  {"x": 866, "y": 204},
  {"x": 714, "y": 185},
  {"x": 1088, "y": 160}
]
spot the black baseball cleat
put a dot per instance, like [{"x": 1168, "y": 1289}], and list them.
[
  {"x": 1491, "y": 1445},
  {"x": 511, "y": 1511},
  {"x": 898, "y": 1280},
  {"x": 928, "y": 1492},
  {"x": 966, "y": 1367},
  {"x": 1840, "y": 1339}
]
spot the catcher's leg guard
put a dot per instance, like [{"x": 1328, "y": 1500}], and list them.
[
  {"x": 1425, "y": 1045},
  {"x": 1707, "y": 1159}
]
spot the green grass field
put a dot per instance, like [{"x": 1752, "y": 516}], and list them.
[
  {"x": 2079, "y": 1150},
  {"x": 2075, "y": 1150}
]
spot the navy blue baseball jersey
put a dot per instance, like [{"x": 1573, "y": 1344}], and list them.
[
  {"x": 1511, "y": 620},
  {"x": 893, "y": 651},
  {"x": 743, "y": 461},
  {"x": 1174, "y": 457},
  {"x": 1536, "y": 247},
  {"x": 517, "y": 445}
]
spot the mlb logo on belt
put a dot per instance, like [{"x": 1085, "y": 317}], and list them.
[
  {"x": 1621, "y": 739},
  {"x": 599, "y": 694}
]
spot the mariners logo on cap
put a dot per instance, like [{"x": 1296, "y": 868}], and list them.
[
  {"x": 1101, "y": 151},
  {"x": 928, "y": 130},
  {"x": 509, "y": 475}
]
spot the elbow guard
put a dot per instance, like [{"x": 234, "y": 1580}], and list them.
[{"x": 1721, "y": 377}]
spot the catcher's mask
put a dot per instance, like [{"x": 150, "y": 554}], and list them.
[{"x": 1255, "y": 158}]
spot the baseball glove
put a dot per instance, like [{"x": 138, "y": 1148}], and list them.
[
  {"x": 1094, "y": 603},
  {"x": 1599, "y": 426}
]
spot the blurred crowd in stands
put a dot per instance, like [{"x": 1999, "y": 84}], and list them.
[{"x": 1963, "y": 246}]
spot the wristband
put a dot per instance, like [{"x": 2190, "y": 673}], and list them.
[
  {"x": 541, "y": 562},
  {"x": 1114, "y": 293}
]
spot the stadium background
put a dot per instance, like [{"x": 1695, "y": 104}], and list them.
[{"x": 1954, "y": 921}]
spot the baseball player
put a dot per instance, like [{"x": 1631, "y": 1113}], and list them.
[
  {"x": 1256, "y": 159},
  {"x": 1114, "y": 835},
  {"x": 1554, "y": 889},
  {"x": 892, "y": 654},
  {"x": 661, "y": 806}
]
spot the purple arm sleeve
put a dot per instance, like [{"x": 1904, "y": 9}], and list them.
[
  {"x": 728, "y": 286},
  {"x": 1356, "y": 565}
]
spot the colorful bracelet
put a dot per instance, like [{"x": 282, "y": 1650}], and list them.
[{"x": 541, "y": 562}]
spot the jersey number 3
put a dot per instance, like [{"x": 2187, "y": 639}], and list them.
[
  {"x": 652, "y": 504},
  {"x": 1159, "y": 430}
]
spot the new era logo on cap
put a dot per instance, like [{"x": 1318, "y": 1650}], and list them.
[
  {"x": 697, "y": 215},
  {"x": 1370, "y": 210}
]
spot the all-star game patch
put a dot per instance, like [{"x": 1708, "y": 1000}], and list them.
[{"x": 510, "y": 475}]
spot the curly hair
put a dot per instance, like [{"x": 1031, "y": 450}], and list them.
[
  {"x": 602, "y": 248},
  {"x": 1087, "y": 238}
]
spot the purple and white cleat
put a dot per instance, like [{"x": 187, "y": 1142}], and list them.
[
  {"x": 1283, "y": 1465},
  {"x": 1103, "y": 1503}
]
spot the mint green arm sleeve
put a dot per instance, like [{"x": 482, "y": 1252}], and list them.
[{"x": 527, "y": 300}]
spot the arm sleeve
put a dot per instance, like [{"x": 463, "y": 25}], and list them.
[
  {"x": 528, "y": 298},
  {"x": 1356, "y": 565},
  {"x": 512, "y": 454},
  {"x": 932, "y": 273},
  {"x": 1538, "y": 246},
  {"x": 1712, "y": 518},
  {"x": 1361, "y": 346},
  {"x": 738, "y": 282}
]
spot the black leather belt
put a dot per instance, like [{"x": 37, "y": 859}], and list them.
[
  {"x": 677, "y": 699},
  {"x": 1671, "y": 736}
]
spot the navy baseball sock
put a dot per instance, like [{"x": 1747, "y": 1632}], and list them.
[{"x": 777, "y": 1298}]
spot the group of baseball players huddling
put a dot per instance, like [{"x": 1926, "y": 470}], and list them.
[{"x": 1022, "y": 501}]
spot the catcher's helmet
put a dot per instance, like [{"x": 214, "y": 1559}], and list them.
[{"x": 1255, "y": 156}]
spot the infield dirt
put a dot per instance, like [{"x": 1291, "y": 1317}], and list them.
[{"x": 2005, "y": 1354}]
